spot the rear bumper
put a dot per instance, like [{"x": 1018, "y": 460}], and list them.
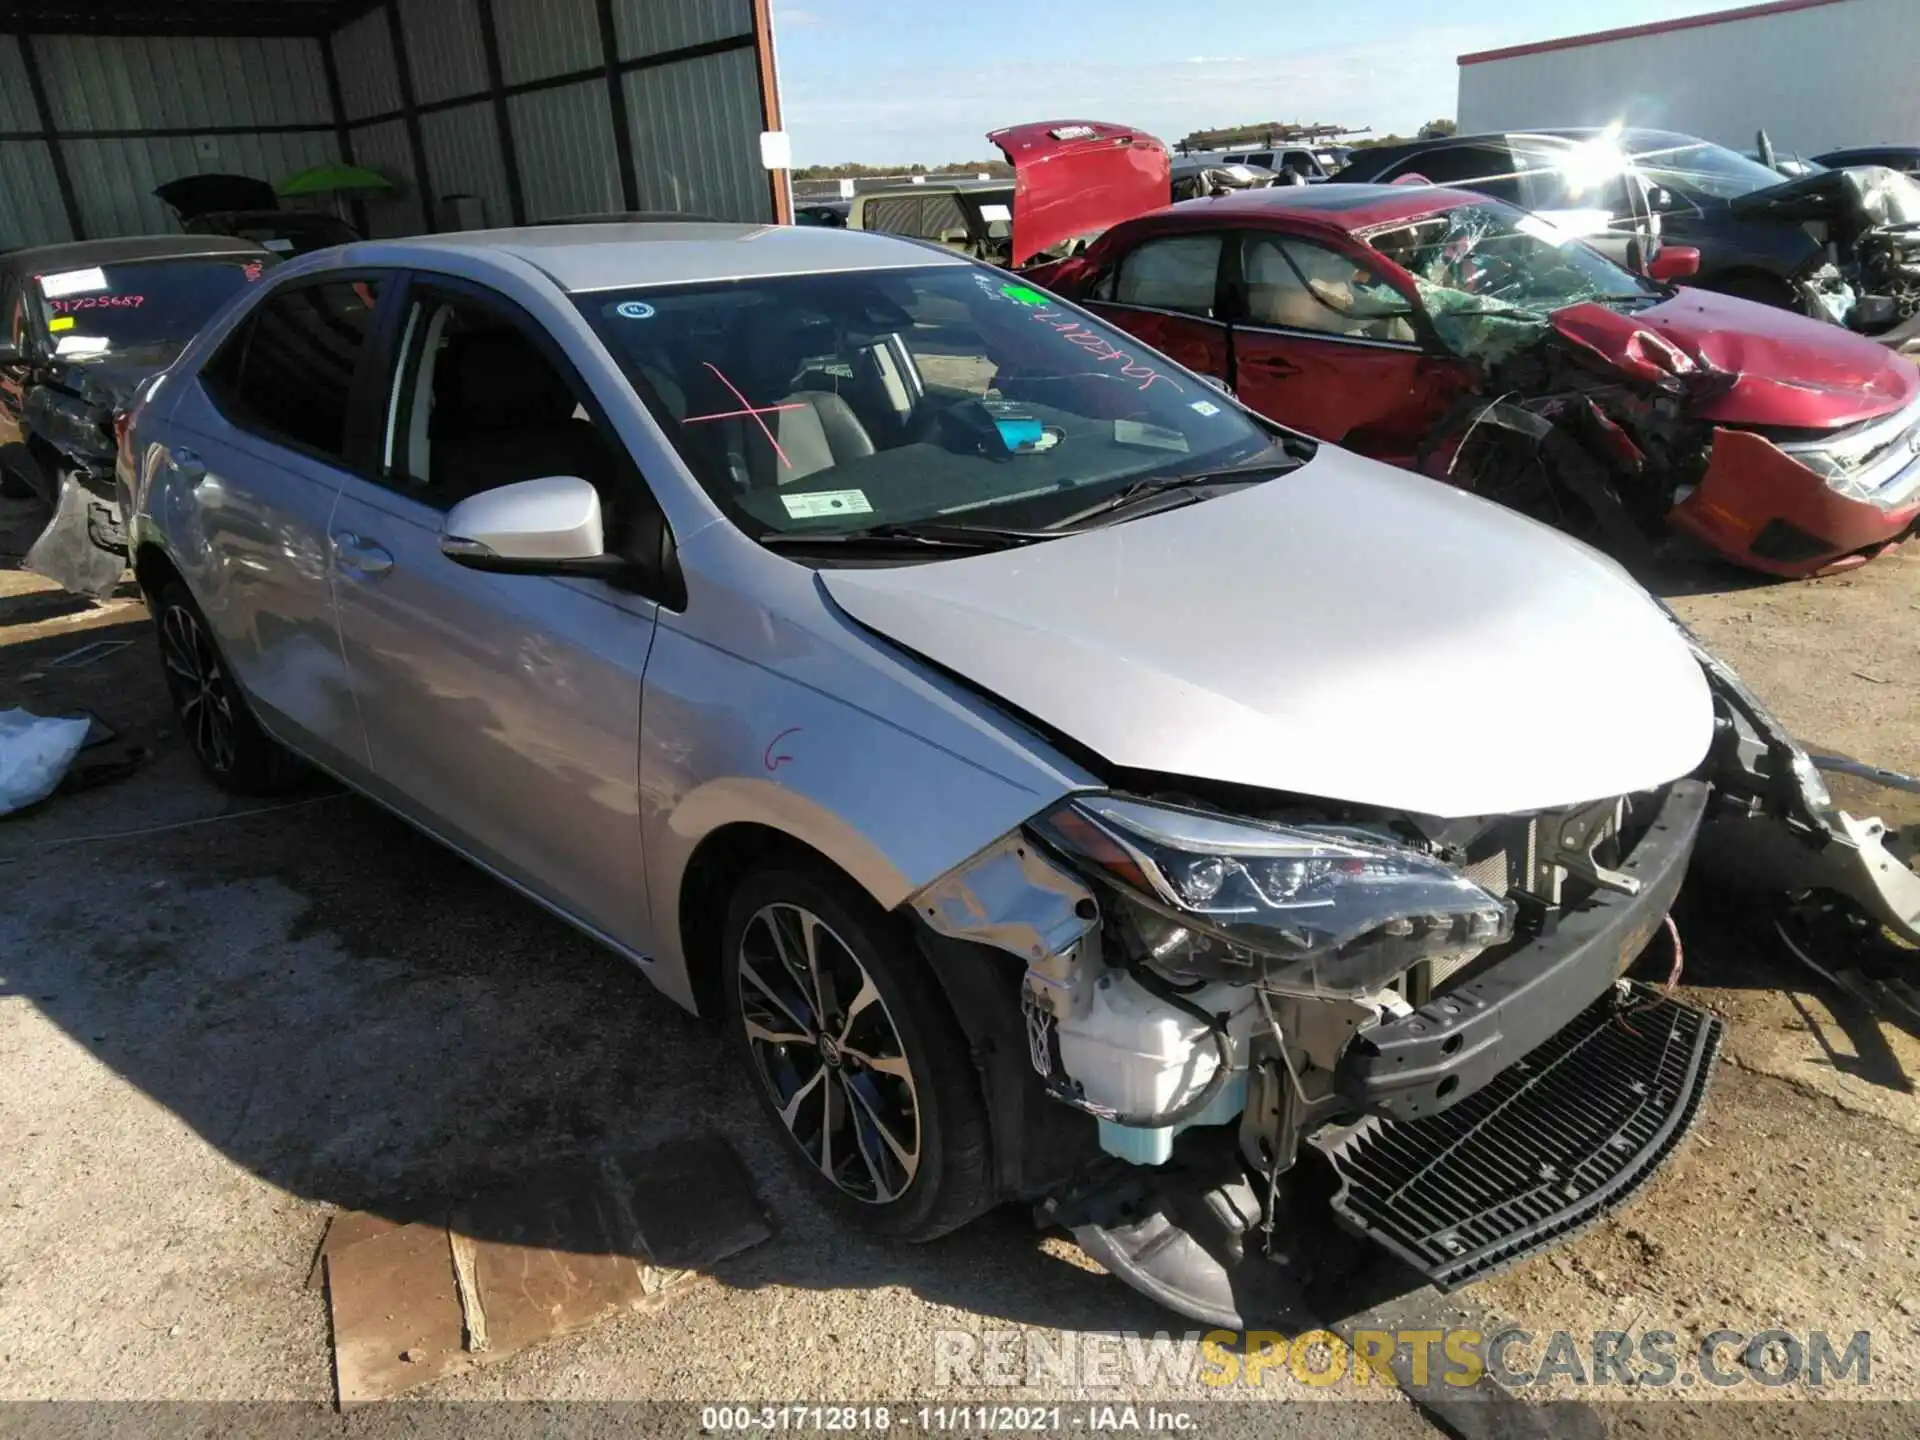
[{"x": 1456, "y": 1043}]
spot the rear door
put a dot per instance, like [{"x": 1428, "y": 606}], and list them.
[
  {"x": 502, "y": 711},
  {"x": 1167, "y": 290},
  {"x": 1325, "y": 345},
  {"x": 258, "y": 446}
]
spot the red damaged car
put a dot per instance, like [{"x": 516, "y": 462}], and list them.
[{"x": 1454, "y": 334}]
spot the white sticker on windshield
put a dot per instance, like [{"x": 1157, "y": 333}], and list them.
[
  {"x": 996, "y": 212},
  {"x": 1153, "y": 437},
  {"x": 81, "y": 345},
  {"x": 73, "y": 282},
  {"x": 813, "y": 505},
  {"x": 279, "y": 245},
  {"x": 1204, "y": 407}
]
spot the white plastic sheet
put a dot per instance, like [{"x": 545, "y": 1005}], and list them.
[{"x": 35, "y": 751}]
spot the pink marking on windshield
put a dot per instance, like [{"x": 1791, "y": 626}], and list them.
[{"x": 747, "y": 404}]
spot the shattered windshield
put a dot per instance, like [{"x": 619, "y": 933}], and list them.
[
  {"x": 1490, "y": 275},
  {"x": 826, "y": 404}
]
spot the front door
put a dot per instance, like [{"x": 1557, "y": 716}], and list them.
[
  {"x": 1323, "y": 345},
  {"x": 1166, "y": 292},
  {"x": 502, "y": 711}
]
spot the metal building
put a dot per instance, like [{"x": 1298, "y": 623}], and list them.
[
  {"x": 479, "y": 111},
  {"x": 1817, "y": 75}
]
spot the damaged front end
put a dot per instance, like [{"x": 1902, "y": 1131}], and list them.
[
  {"x": 1435, "y": 1012},
  {"x": 1225, "y": 993},
  {"x": 1867, "y": 221},
  {"x": 1613, "y": 428}
]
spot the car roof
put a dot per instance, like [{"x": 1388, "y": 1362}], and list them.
[
  {"x": 82, "y": 254},
  {"x": 1871, "y": 150},
  {"x": 1636, "y": 136},
  {"x": 618, "y": 257},
  {"x": 1332, "y": 206}
]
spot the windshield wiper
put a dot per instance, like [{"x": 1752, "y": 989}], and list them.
[
  {"x": 932, "y": 535},
  {"x": 1156, "y": 485}
]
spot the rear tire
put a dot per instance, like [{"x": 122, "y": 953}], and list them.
[
  {"x": 879, "y": 1104},
  {"x": 227, "y": 741}
]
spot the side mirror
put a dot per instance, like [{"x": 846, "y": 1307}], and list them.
[
  {"x": 1674, "y": 262},
  {"x": 550, "y": 526}
]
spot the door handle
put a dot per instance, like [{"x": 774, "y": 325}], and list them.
[
  {"x": 188, "y": 466},
  {"x": 356, "y": 552}
]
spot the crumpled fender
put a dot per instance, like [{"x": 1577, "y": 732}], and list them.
[{"x": 1622, "y": 342}]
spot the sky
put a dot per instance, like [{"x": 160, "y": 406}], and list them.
[{"x": 898, "y": 81}]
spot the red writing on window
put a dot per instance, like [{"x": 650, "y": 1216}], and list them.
[{"x": 75, "y": 303}]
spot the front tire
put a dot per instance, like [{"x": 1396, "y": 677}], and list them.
[
  {"x": 854, "y": 1053},
  {"x": 227, "y": 741}
]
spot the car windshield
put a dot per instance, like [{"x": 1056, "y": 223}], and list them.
[
  {"x": 1696, "y": 168},
  {"x": 102, "y": 309},
  {"x": 1490, "y": 275},
  {"x": 823, "y": 404}
]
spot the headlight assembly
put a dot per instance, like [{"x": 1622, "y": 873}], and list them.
[{"x": 1300, "y": 908}]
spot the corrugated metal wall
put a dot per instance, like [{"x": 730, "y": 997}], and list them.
[
  {"x": 693, "y": 123},
  {"x": 564, "y": 140},
  {"x": 177, "y": 106},
  {"x": 30, "y": 208},
  {"x": 463, "y": 156},
  {"x": 203, "y": 95},
  {"x": 1815, "y": 79},
  {"x": 175, "y": 83},
  {"x": 646, "y": 27},
  {"x": 541, "y": 38},
  {"x": 363, "y": 54},
  {"x": 696, "y": 127}
]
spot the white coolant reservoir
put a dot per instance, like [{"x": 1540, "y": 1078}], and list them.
[{"x": 1133, "y": 1053}]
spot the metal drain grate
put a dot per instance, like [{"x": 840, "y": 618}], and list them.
[{"x": 1539, "y": 1152}]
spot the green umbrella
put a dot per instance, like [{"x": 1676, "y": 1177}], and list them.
[{"x": 330, "y": 178}]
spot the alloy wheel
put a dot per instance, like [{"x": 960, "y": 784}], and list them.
[
  {"x": 202, "y": 693},
  {"x": 826, "y": 1047}
]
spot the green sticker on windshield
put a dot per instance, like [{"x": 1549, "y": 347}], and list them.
[{"x": 1023, "y": 295}]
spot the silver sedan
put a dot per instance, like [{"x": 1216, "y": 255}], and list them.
[{"x": 1031, "y": 755}]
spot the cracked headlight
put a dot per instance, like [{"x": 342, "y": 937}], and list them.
[{"x": 1299, "y": 907}]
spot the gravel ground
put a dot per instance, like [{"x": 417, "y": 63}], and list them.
[{"x": 216, "y": 1036}]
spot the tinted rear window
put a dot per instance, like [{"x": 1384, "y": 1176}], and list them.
[{"x": 100, "y": 309}]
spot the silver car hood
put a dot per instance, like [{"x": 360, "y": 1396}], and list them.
[{"x": 1346, "y": 631}]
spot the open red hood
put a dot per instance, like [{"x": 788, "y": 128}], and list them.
[
  {"x": 1078, "y": 177},
  {"x": 1785, "y": 369}
]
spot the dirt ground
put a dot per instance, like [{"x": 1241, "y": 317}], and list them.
[{"x": 219, "y": 1025}]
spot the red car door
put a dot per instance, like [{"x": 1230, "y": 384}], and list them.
[
  {"x": 1167, "y": 292},
  {"x": 1324, "y": 344}
]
